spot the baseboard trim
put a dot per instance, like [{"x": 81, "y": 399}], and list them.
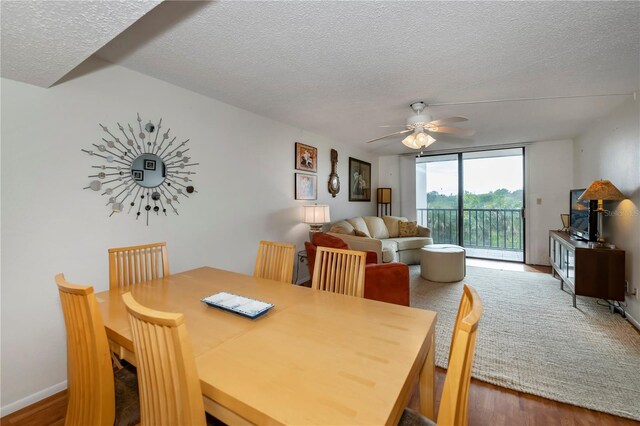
[
  {"x": 633, "y": 321},
  {"x": 32, "y": 399}
]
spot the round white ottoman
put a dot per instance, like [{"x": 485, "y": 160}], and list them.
[{"x": 443, "y": 263}]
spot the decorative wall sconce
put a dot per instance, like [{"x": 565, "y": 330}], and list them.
[
  {"x": 384, "y": 201},
  {"x": 141, "y": 170}
]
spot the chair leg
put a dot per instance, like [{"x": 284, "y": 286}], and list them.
[{"x": 116, "y": 362}]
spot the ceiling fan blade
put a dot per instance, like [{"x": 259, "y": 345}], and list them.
[
  {"x": 395, "y": 125},
  {"x": 392, "y": 134},
  {"x": 464, "y": 133},
  {"x": 455, "y": 119}
]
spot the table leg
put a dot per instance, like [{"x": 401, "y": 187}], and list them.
[{"x": 427, "y": 382}]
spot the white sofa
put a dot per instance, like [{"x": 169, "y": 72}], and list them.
[{"x": 382, "y": 235}]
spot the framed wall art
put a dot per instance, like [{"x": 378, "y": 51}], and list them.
[
  {"x": 306, "y": 186},
  {"x": 306, "y": 157},
  {"x": 359, "y": 180},
  {"x": 141, "y": 169}
]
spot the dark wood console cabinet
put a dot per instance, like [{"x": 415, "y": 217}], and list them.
[{"x": 587, "y": 271}]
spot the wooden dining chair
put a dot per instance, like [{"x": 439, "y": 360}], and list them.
[
  {"x": 170, "y": 392},
  {"x": 136, "y": 264},
  {"x": 339, "y": 271},
  {"x": 91, "y": 386},
  {"x": 275, "y": 261},
  {"x": 454, "y": 403}
]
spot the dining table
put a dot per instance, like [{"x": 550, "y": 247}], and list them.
[{"x": 314, "y": 358}]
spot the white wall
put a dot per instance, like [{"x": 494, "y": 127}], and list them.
[
  {"x": 245, "y": 185},
  {"x": 610, "y": 149},
  {"x": 408, "y": 187},
  {"x": 389, "y": 177},
  {"x": 549, "y": 177}
]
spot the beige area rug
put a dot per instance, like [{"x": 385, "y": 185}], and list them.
[{"x": 532, "y": 340}]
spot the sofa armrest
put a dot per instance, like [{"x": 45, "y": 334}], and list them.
[
  {"x": 387, "y": 282},
  {"x": 361, "y": 243},
  {"x": 424, "y": 231}
]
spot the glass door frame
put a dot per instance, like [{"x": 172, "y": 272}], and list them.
[{"x": 461, "y": 196}]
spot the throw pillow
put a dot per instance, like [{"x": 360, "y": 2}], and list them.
[
  {"x": 392, "y": 224},
  {"x": 342, "y": 227},
  {"x": 360, "y": 233},
  {"x": 407, "y": 229},
  {"x": 359, "y": 224}
]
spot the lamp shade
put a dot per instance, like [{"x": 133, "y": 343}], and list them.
[
  {"x": 410, "y": 142},
  {"x": 601, "y": 190},
  {"x": 384, "y": 195},
  {"x": 316, "y": 214},
  {"x": 418, "y": 140}
]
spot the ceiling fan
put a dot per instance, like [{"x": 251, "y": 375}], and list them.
[{"x": 424, "y": 130}]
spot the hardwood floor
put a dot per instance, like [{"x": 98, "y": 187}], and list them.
[
  {"x": 48, "y": 412},
  {"x": 496, "y": 406},
  {"x": 488, "y": 404}
]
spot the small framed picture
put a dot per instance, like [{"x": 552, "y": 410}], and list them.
[
  {"x": 149, "y": 164},
  {"x": 306, "y": 157},
  {"x": 138, "y": 175},
  {"x": 359, "y": 180},
  {"x": 306, "y": 186}
]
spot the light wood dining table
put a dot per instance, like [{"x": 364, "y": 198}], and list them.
[{"x": 315, "y": 358}]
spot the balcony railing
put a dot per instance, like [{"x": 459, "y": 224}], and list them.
[{"x": 499, "y": 229}]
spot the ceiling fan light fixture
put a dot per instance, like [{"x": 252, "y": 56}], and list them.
[
  {"x": 430, "y": 140},
  {"x": 410, "y": 142},
  {"x": 421, "y": 138}
]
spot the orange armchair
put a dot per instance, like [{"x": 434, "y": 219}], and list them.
[{"x": 386, "y": 282}]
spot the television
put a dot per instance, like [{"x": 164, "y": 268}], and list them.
[{"x": 582, "y": 216}]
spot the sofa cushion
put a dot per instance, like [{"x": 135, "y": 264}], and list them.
[
  {"x": 392, "y": 224},
  {"x": 342, "y": 227},
  {"x": 389, "y": 251},
  {"x": 359, "y": 224},
  {"x": 409, "y": 243},
  {"x": 407, "y": 229},
  {"x": 360, "y": 233},
  {"x": 377, "y": 227}
]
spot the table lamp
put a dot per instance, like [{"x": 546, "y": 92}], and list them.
[
  {"x": 316, "y": 215},
  {"x": 601, "y": 190}
]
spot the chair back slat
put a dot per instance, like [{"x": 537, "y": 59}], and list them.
[
  {"x": 275, "y": 261},
  {"x": 170, "y": 390},
  {"x": 91, "y": 398},
  {"x": 136, "y": 264},
  {"x": 339, "y": 271},
  {"x": 454, "y": 404}
]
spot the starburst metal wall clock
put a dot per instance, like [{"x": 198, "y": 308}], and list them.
[{"x": 141, "y": 173}]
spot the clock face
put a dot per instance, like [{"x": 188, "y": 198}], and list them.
[{"x": 334, "y": 184}]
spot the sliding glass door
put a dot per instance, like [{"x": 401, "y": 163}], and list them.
[
  {"x": 438, "y": 203},
  {"x": 476, "y": 200}
]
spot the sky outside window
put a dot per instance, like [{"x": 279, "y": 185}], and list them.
[{"x": 481, "y": 175}]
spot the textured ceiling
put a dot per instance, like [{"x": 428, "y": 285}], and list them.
[
  {"x": 341, "y": 69},
  {"x": 44, "y": 40}
]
